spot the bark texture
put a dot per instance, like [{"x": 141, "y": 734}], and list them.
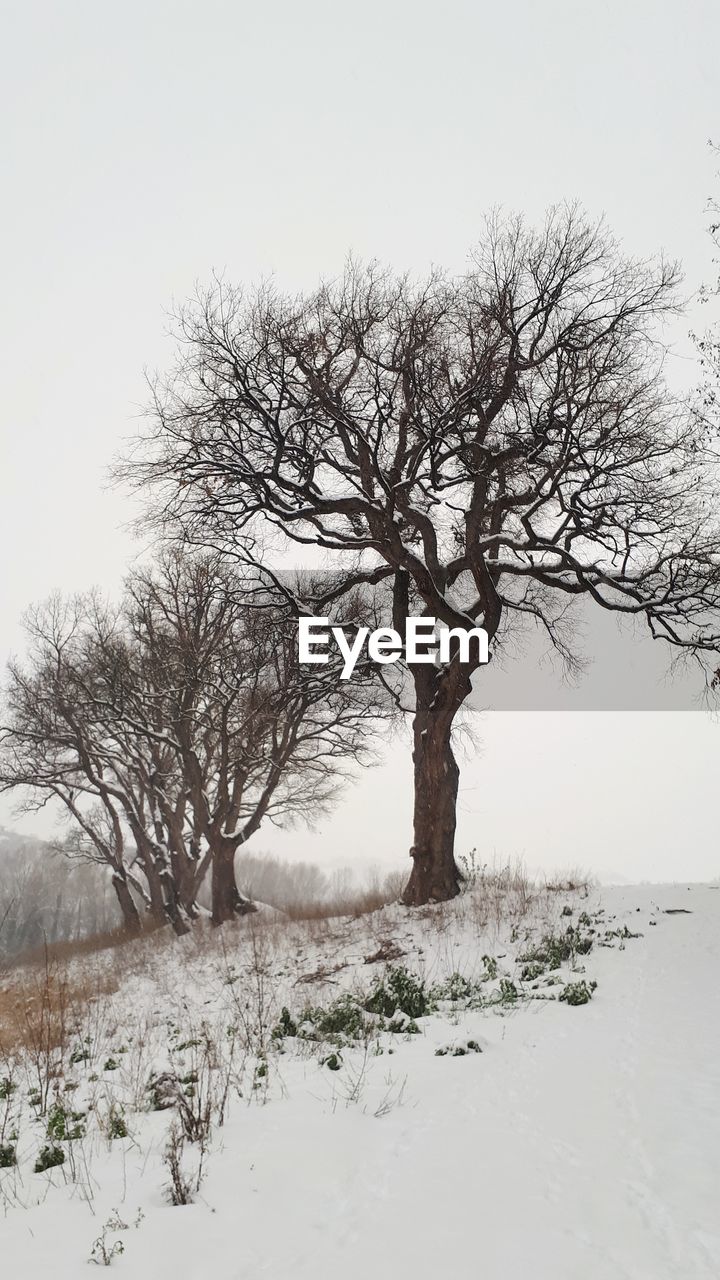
[
  {"x": 435, "y": 876},
  {"x": 130, "y": 914},
  {"x": 227, "y": 901}
]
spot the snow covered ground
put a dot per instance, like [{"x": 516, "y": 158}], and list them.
[{"x": 571, "y": 1141}]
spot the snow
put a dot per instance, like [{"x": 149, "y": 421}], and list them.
[{"x": 581, "y": 1142}]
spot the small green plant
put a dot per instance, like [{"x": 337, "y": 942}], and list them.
[
  {"x": 577, "y": 992},
  {"x": 49, "y": 1158},
  {"x": 285, "y": 1026},
  {"x": 400, "y": 989},
  {"x": 80, "y": 1054},
  {"x": 333, "y": 1062},
  {"x": 529, "y": 972},
  {"x": 343, "y": 1017},
  {"x": 508, "y": 991},
  {"x": 491, "y": 967},
  {"x": 7, "y": 1086},
  {"x": 341, "y": 1021},
  {"x": 623, "y": 934},
  {"x": 557, "y": 949},
  {"x": 65, "y": 1126},
  {"x": 7, "y": 1155},
  {"x": 111, "y": 1064},
  {"x": 117, "y": 1127},
  {"x": 457, "y": 987}
]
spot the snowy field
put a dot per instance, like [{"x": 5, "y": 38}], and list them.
[{"x": 490, "y": 1128}]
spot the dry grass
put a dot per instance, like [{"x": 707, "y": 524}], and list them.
[
  {"x": 355, "y": 903},
  {"x": 59, "y": 953},
  {"x": 572, "y": 881},
  {"x": 43, "y": 1005}
]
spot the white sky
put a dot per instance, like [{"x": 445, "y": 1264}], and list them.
[{"x": 146, "y": 145}]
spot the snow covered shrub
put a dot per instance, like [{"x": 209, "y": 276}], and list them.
[
  {"x": 508, "y": 991},
  {"x": 49, "y": 1158},
  {"x": 456, "y": 987},
  {"x": 557, "y": 949},
  {"x": 162, "y": 1091},
  {"x": 7, "y": 1155},
  {"x": 343, "y": 1018},
  {"x": 400, "y": 990},
  {"x": 7, "y": 1086},
  {"x": 577, "y": 992},
  {"x": 458, "y": 1050},
  {"x": 401, "y": 1024},
  {"x": 340, "y": 1022}
]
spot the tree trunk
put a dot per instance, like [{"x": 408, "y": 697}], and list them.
[
  {"x": 227, "y": 902},
  {"x": 130, "y": 914},
  {"x": 435, "y": 876},
  {"x": 150, "y": 871}
]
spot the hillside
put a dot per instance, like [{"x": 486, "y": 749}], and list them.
[{"x": 431, "y": 1101}]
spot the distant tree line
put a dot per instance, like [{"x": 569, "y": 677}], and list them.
[{"x": 43, "y": 899}]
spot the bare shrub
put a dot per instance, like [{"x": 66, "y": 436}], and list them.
[{"x": 180, "y": 1188}]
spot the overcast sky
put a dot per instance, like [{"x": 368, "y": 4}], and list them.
[{"x": 147, "y": 145}]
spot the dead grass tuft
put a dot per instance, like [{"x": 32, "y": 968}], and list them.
[
  {"x": 93, "y": 944},
  {"x": 573, "y": 881},
  {"x": 41, "y": 1006}
]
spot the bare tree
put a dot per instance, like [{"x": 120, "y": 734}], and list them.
[
  {"x": 491, "y": 447},
  {"x": 171, "y": 727},
  {"x": 255, "y": 737},
  {"x": 52, "y": 746}
]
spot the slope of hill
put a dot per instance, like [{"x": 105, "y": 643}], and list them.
[{"x": 427, "y": 1093}]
